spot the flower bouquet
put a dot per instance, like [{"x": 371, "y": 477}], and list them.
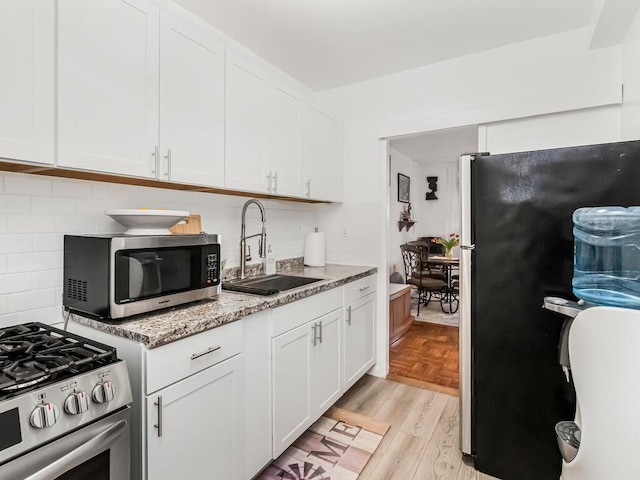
[{"x": 448, "y": 243}]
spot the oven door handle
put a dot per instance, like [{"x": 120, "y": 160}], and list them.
[{"x": 96, "y": 445}]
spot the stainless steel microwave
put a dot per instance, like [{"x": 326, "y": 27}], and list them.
[{"x": 116, "y": 276}]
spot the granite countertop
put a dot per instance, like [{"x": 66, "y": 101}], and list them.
[{"x": 166, "y": 326}]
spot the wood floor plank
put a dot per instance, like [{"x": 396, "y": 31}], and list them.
[
  {"x": 408, "y": 451},
  {"x": 428, "y": 352},
  {"x": 421, "y": 421},
  {"x": 442, "y": 458}
]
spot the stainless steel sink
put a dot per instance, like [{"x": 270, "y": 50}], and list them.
[{"x": 268, "y": 284}]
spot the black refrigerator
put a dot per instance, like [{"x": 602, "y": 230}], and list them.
[{"x": 517, "y": 248}]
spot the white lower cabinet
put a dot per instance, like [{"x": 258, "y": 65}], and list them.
[
  {"x": 195, "y": 427},
  {"x": 359, "y": 328},
  {"x": 306, "y": 376}
]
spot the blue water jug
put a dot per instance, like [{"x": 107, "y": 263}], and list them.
[{"x": 606, "y": 268}]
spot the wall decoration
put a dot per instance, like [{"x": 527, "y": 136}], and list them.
[
  {"x": 403, "y": 188},
  {"x": 433, "y": 188}
]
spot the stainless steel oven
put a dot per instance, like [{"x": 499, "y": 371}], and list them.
[{"x": 64, "y": 407}]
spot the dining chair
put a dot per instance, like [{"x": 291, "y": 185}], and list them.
[{"x": 417, "y": 273}]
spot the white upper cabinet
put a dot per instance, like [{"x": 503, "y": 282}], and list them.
[
  {"x": 191, "y": 105},
  {"x": 108, "y": 85},
  {"x": 322, "y": 155},
  {"x": 27, "y": 80},
  {"x": 283, "y": 142},
  {"x": 245, "y": 126}
]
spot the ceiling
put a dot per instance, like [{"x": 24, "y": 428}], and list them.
[
  {"x": 438, "y": 146},
  {"x": 330, "y": 43}
]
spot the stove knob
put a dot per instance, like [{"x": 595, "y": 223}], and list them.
[
  {"x": 103, "y": 392},
  {"x": 76, "y": 403},
  {"x": 44, "y": 415}
]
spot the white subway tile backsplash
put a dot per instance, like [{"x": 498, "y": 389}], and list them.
[
  {"x": 47, "y": 279},
  {"x": 9, "y": 319},
  {"x": 19, "y": 243},
  {"x": 75, "y": 223},
  {"x": 36, "y": 212},
  {"x": 19, "y": 302},
  {"x": 23, "y": 184},
  {"x": 33, "y": 262},
  {"x": 62, "y": 188},
  {"x": 53, "y": 205},
  {"x": 30, "y": 223},
  {"x": 15, "y": 204},
  {"x": 49, "y": 315},
  {"x": 19, "y": 282},
  {"x": 48, "y": 242}
]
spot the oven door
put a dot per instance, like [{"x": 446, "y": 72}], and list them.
[{"x": 99, "y": 451}]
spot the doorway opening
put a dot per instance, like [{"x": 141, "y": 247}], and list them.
[{"x": 424, "y": 202}]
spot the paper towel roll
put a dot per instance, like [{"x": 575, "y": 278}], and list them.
[{"x": 314, "y": 250}]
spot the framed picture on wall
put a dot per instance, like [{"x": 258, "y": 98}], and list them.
[{"x": 403, "y": 188}]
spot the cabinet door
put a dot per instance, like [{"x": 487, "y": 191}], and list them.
[
  {"x": 326, "y": 364},
  {"x": 283, "y": 142},
  {"x": 202, "y": 426},
  {"x": 191, "y": 105},
  {"x": 322, "y": 155},
  {"x": 291, "y": 363},
  {"x": 358, "y": 339},
  {"x": 27, "y": 80},
  {"x": 108, "y": 85},
  {"x": 245, "y": 127}
]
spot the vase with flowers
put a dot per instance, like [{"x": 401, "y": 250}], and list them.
[{"x": 448, "y": 243}]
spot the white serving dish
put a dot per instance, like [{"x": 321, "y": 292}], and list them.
[{"x": 146, "y": 221}]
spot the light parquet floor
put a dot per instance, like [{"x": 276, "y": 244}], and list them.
[
  {"x": 427, "y": 356},
  {"x": 423, "y": 441}
]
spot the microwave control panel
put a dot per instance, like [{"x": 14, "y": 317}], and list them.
[{"x": 212, "y": 269}]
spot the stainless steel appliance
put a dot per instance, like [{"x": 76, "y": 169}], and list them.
[
  {"x": 64, "y": 407},
  {"x": 115, "y": 276},
  {"x": 517, "y": 248}
]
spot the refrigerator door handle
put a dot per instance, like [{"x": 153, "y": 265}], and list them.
[{"x": 467, "y": 247}]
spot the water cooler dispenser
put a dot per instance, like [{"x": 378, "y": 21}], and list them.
[{"x": 600, "y": 346}]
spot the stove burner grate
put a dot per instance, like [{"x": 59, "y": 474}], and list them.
[{"x": 34, "y": 353}]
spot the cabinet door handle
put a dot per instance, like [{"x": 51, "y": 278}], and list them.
[
  {"x": 349, "y": 315},
  {"x": 269, "y": 185},
  {"x": 206, "y": 352},
  {"x": 315, "y": 335},
  {"x": 159, "y": 424},
  {"x": 168, "y": 158},
  {"x": 156, "y": 156},
  {"x": 320, "y": 331},
  {"x": 308, "y": 184},
  {"x": 275, "y": 182},
  {"x": 365, "y": 288}
]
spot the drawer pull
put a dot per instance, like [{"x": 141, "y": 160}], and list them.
[
  {"x": 206, "y": 352},
  {"x": 159, "y": 424},
  {"x": 365, "y": 288},
  {"x": 349, "y": 315}
]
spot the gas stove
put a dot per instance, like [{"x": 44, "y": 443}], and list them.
[
  {"x": 52, "y": 384},
  {"x": 33, "y": 355}
]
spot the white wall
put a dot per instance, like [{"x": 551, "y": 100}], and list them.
[
  {"x": 566, "y": 129},
  {"x": 557, "y": 72},
  {"x": 630, "y": 116},
  {"x": 442, "y": 216},
  {"x": 400, "y": 163},
  {"x": 35, "y": 213}
]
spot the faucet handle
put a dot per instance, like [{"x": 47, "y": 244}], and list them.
[{"x": 247, "y": 253}]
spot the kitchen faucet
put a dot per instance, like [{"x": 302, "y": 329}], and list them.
[{"x": 262, "y": 246}]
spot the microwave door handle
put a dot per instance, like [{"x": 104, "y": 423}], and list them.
[{"x": 97, "y": 444}]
